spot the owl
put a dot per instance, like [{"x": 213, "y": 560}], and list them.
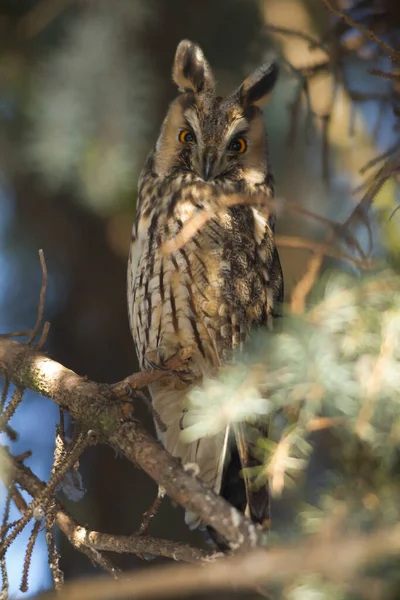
[{"x": 211, "y": 291}]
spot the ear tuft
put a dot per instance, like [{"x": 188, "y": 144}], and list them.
[
  {"x": 191, "y": 70},
  {"x": 256, "y": 89}
]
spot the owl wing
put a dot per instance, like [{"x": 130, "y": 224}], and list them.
[{"x": 165, "y": 314}]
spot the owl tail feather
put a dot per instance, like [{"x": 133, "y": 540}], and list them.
[
  {"x": 210, "y": 458},
  {"x": 219, "y": 461},
  {"x": 204, "y": 457}
]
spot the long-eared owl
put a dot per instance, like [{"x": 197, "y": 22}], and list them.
[{"x": 209, "y": 293}]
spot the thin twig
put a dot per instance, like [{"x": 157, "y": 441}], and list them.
[
  {"x": 39, "y": 504},
  {"x": 373, "y": 382},
  {"x": 151, "y": 512},
  {"x": 42, "y": 295},
  {"x": 53, "y": 555},
  {"x": 358, "y": 214},
  {"x": 4, "y": 579},
  {"x": 325, "y": 147},
  {"x": 43, "y": 337},
  {"x": 394, "y": 54},
  {"x": 384, "y": 74},
  {"x": 311, "y": 41},
  {"x": 13, "y": 334},
  {"x": 305, "y": 285},
  {"x": 81, "y": 537},
  {"x": 12, "y": 406},
  {"x": 4, "y": 394},
  {"x": 3, "y": 532},
  {"x": 201, "y": 218},
  {"x": 377, "y": 159},
  {"x": 8, "y": 430},
  {"x": 28, "y": 555},
  {"x": 35, "y": 487},
  {"x": 10, "y": 433},
  {"x": 291, "y": 241}
]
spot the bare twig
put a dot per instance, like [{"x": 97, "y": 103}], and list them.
[
  {"x": 4, "y": 394},
  {"x": 384, "y": 74},
  {"x": 311, "y": 41},
  {"x": 3, "y": 532},
  {"x": 34, "y": 486},
  {"x": 4, "y": 579},
  {"x": 377, "y": 159},
  {"x": 291, "y": 241},
  {"x": 34, "y": 332},
  {"x": 373, "y": 383},
  {"x": 28, "y": 555},
  {"x": 53, "y": 556},
  {"x": 201, "y": 218},
  {"x": 39, "y": 504},
  {"x": 359, "y": 214},
  {"x": 151, "y": 512},
  {"x": 43, "y": 337},
  {"x": 325, "y": 119},
  {"x": 306, "y": 283},
  {"x": 39, "y": 319},
  {"x": 12, "y": 406},
  {"x": 13, "y": 334},
  {"x": 368, "y": 33},
  {"x": 9, "y": 431},
  {"x": 6, "y": 513}
]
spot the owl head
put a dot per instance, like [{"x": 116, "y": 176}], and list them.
[{"x": 215, "y": 138}]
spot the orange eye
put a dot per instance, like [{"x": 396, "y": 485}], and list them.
[
  {"x": 238, "y": 144},
  {"x": 186, "y": 136}
]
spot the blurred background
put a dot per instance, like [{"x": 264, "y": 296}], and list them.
[{"x": 84, "y": 86}]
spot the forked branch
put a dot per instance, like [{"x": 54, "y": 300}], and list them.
[{"x": 95, "y": 406}]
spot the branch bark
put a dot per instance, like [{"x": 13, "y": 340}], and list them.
[
  {"x": 336, "y": 558},
  {"x": 95, "y": 406}
]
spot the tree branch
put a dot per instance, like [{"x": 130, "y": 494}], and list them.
[
  {"x": 93, "y": 540},
  {"x": 94, "y": 405},
  {"x": 336, "y": 558}
]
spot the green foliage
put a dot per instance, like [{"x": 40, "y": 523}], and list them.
[{"x": 336, "y": 370}]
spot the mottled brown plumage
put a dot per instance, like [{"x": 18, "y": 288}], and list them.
[{"x": 226, "y": 279}]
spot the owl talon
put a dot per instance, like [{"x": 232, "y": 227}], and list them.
[
  {"x": 181, "y": 425},
  {"x": 155, "y": 366},
  {"x": 183, "y": 374},
  {"x": 127, "y": 411},
  {"x": 161, "y": 367}
]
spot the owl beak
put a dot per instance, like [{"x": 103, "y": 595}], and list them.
[{"x": 208, "y": 166}]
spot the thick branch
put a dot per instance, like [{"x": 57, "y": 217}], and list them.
[{"x": 94, "y": 405}]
